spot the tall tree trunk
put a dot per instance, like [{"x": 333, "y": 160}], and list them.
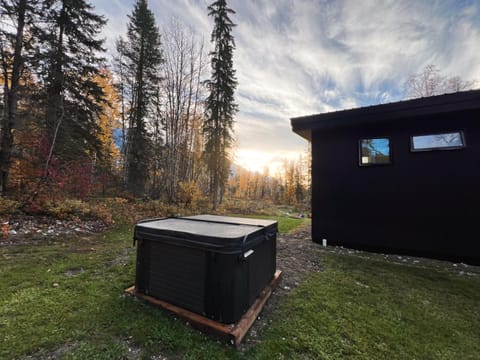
[
  {"x": 11, "y": 101},
  {"x": 122, "y": 83},
  {"x": 136, "y": 180},
  {"x": 54, "y": 139},
  {"x": 56, "y": 111}
]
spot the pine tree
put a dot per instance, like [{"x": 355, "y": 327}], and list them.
[
  {"x": 143, "y": 57},
  {"x": 20, "y": 14},
  {"x": 68, "y": 64},
  {"x": 220, "y": 106}
]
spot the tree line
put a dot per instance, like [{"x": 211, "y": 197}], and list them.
[
  {"x": 154, "y": 120},
  {"x": 151, "y": 122},
  {"x": 291, "y": 186}
]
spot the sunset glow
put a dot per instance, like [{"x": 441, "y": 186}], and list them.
[{"x": 256, "y": 161}]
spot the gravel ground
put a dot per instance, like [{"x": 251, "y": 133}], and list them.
[{"x": 31, "y": 230}]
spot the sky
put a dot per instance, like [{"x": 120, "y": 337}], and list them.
[{"x": 301, "y": 57}]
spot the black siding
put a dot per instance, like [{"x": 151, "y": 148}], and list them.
[{"x": 424, "y": 203}]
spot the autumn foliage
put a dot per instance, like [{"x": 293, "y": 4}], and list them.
[
  {"x": 83, "y": 138},
  {"x": 37, "y": 185}
]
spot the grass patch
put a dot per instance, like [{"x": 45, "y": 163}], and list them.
[
  {"x": 70, "y": 295},
  {"x": 65, "y": 300},
  {"x": 370, "y": 309},
  {"x": 285, "y": 224}
]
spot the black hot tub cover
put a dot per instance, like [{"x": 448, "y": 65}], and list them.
[{"x": 227, "y": 235}]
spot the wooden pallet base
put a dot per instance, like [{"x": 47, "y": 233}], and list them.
[{"x": 233, "y": 333}]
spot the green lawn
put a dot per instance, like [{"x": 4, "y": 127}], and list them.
[
  {"x": 373, "y": 309},
  {"x": 285, "y": 224},
  {"x": 66, "y": 299}
]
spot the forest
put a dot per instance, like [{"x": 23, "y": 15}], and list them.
[{"x": 151, "y": 120}]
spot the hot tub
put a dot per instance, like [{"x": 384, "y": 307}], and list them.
[{"x": 215, "y": 266}]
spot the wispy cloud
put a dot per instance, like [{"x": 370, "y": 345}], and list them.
[
  {"x": 116, "y": 12},
  {"x": 297, "y": 57}
]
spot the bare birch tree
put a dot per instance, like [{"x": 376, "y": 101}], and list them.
[
  {"x": 182, "y": 89},
  {"x": 124, "y": 84}
]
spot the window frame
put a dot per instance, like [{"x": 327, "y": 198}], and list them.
[
  {"x": 445, "y": 148},
  {"x": 390, "y": 152}
]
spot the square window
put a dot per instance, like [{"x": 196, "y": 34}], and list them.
[
  {"x": 442, "y": 141},
  {"x": 375, "y": 151}
]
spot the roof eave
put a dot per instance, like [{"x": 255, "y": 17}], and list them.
[{"x": 462, "y": 101}]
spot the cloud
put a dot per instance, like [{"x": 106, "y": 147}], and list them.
[
  {"x": 328, "y": 55},
  {"x": 298, "y": 57},
  {"x": 193, "y": 14},
  {"x": 116, "y": 13}
]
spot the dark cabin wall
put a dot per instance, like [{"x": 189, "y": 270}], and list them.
[{"x": 424, "y": 203}]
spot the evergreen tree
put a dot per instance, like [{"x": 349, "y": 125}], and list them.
[
  {"x": 11, "y": 64},
  {"x": 68, "y": 64},
  {"x": 15, "y": 51},
  {"x": 142, "y": 58},
  {"x": 220, "y": 106}
]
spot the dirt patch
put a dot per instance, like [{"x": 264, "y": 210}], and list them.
[
  {"x": 53, "y": 355},
  {"x": 31, "y": 230},
  {"x": 74, "y": 272},
  {"x": 122, "y": 259}
]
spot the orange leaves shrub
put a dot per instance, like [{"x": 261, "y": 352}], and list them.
[
  {"x": 4, "y": 229},
  {"x": 190, "y": 195}
]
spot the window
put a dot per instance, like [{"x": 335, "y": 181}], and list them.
[
  {"x": 444, "y": 141},
  {"x": 375, "y": 151}
]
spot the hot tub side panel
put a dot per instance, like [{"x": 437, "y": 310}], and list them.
[
  {"x": 219, "y": 286},
  {"x": 142, "y": 264},
  {"x": 227, "y": 288},
  {"x": 261, "y": 265},
  {"x": 178, "y": 275},
  {"x": 235, "y": 282}
]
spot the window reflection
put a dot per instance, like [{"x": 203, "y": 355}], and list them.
[
  {"x": 375, "y": 151},
  {"x": 453, "y": 140}
]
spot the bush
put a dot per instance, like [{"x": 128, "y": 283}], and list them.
[
  {"x": 8, "y": 206},
  {"x": 190, "y": 195},
  {"x": 69, "y": 209},
  {"x": 66, "y": 209}
]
